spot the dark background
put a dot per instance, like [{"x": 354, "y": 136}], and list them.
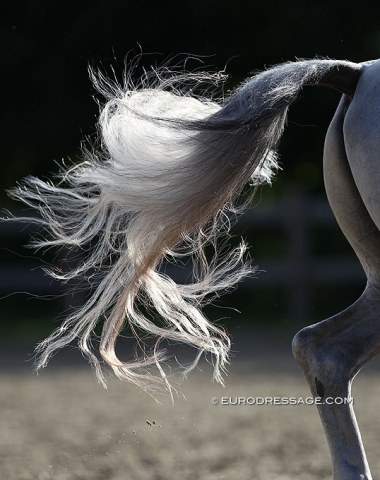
[{"x": 47, "y": 107}]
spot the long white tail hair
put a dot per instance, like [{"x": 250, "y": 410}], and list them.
[{"x": 168, "y": 169}]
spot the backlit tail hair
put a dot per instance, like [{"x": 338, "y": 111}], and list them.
[{"x": 169, "y": 168}]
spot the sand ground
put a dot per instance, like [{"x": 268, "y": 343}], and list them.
[{"x": 62, "y": 425}]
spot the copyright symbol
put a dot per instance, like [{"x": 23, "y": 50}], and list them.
[{"x": 214, "y": 401}]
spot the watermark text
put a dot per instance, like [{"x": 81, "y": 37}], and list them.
[{"x": 281, "y": 400}]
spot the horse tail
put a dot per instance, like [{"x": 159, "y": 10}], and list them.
[{"x": 168, "y": 169}]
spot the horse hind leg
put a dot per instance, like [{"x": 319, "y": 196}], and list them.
[{"x": 332, "y": 352}]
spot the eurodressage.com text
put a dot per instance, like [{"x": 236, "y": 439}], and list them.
[{"x": 282, "y": 401}]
